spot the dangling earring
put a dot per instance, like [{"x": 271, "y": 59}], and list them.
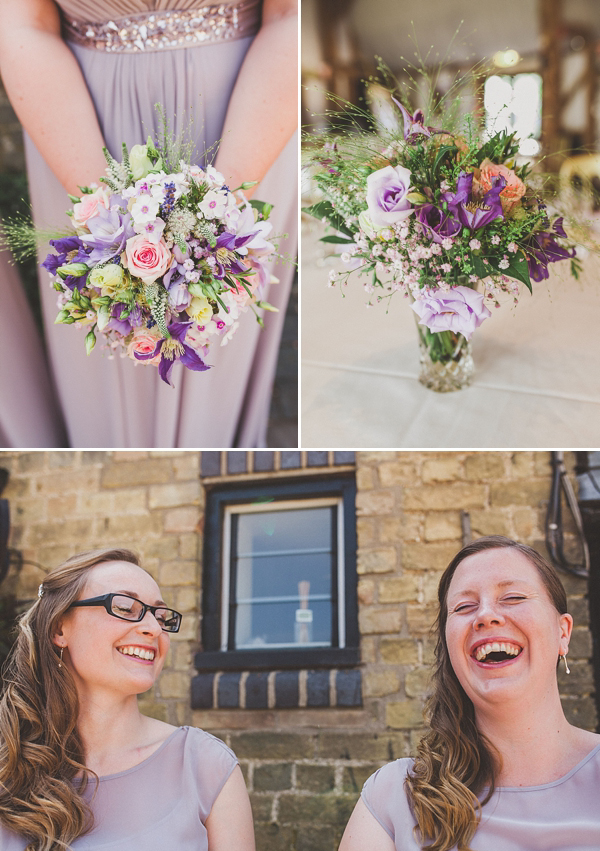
[
  {"x": 567, "y": 669},
  {"x": 62, "y": 650}
]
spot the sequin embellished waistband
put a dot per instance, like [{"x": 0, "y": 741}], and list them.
[{"x": 167, "y": 30}]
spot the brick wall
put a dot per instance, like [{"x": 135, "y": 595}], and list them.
[{"x": 305, "y": 766}]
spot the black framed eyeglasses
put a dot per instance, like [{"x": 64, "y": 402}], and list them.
[{"x": 131, "y": 609}]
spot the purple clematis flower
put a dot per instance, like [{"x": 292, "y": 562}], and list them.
[
  {"x": 542, "y": 249},
  {"x": 436, "y": 224},
  {"x": 173, "y": 348},
  {"x": 228, "y": 242},
  {"x": 472, "y": 212},
  {"x": 109, "y": 231}
]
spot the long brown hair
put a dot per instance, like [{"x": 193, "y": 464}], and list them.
[
  {"x": 42, "y": 763},
  {"x": 454, "y": 760}
]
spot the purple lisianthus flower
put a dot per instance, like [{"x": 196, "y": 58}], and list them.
[
  {"x": 460, "y": 310},
  {"x": 387, "y": 189},
  {"x": 172, "y": 349},
  {"x": 436, "y": 224},
  {"x": 473, "y": 212},
  {"x": 179, "y": 295},
  {"x": 109, "y": 232}
]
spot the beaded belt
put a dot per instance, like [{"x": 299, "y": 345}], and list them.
[{"x": 168, "y": 30}]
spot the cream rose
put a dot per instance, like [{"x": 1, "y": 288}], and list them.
[
  {"x": 200, "y": 309},
  {"x": 89, "y": 205},
  {"x": 109, "y": 279},
  {"x": 139, "y": 161},
  {"x": 147, "y": 260}
]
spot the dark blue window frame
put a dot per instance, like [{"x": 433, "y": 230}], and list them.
[{"x": 221, "y": 495}]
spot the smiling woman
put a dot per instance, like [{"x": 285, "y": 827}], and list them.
[
  {"x": 500, "y": 765},
  {"x": 80, "y": 767}
]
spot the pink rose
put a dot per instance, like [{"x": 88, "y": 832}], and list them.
[
  {"x": 87, "y": 208},
  {"x": 147, "y": 260},
  {"x": 512, "y": 192},
  {"x": 143, "y": 343},
  {"x": 240, "y": 295}
]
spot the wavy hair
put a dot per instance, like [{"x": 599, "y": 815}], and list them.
[
  {"x": 454, "y": 759},
  {"x": 42, "y": 764}
]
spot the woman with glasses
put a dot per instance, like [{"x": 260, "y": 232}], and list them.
[{"x": 80, "y": 766}]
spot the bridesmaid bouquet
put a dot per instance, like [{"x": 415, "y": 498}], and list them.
[
  {"x": 161, "y": 263},
  {"x": 434, "y": 215}
]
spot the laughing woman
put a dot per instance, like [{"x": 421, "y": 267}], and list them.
[
  {"x": 80, "y": 767},
  {"x": 501, "y": 769}
]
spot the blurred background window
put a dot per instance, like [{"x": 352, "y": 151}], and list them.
[{"x": 514, "y": 103}]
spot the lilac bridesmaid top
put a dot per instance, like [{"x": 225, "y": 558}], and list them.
[
  {"x": 559, "y": 816},
  {"x": 160, "y": 804}
]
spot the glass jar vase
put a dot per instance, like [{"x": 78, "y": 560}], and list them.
[{"x": 446, "y": 360}]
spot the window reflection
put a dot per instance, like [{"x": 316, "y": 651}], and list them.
[{"x": 284, "y": 564}]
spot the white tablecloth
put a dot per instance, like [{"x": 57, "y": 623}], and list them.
[{"x": 537, "y": 378}]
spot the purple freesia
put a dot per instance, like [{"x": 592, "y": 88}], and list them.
[
  {"x": 460, "y": 310},
  {"x": 115, "y": 323},
  {"x": 473, "y": 212},
  {"x": 109, "y": 231},
  {"x": 172, "y": 349},
  {"x": 66, "y": 245},
  {"x": 387, "y": 189},
  {"x": 414, "y": 125},
  {"x": 436, "y": 224},
  {"x": 255, "y": 231}
]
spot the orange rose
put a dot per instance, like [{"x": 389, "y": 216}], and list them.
[{"x": 512, "y": 192}]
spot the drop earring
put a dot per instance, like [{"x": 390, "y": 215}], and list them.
[
  {"x": 62, "y": 650},
  {"x": 567, "y": 669}
]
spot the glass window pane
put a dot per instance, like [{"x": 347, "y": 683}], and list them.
[{"x": 283, "y": 571}]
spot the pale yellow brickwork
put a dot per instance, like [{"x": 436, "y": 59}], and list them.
[
  {"x": 409, "y": 526},
  {"x": 408, "y": 523}
]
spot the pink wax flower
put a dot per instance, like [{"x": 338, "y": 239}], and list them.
[
  {"x": 89, "y": 205},
  {"x": 147, "y": 260},
  {"x": 460, "y": 310},
  {"x": 512, "y": 192}
]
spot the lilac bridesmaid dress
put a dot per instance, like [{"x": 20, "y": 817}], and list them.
[
  {"x": 29, "y": 417},
  {"x": 160, "y": 804},
  {"x": 559, "y": 816},
  {"x": 114, "y": 403}
]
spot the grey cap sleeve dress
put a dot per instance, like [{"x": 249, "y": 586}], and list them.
[
  {"x": 114, "y": 403},
  {"x": 160, "y": 804},
  {"x": 559, "y": 816}
]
